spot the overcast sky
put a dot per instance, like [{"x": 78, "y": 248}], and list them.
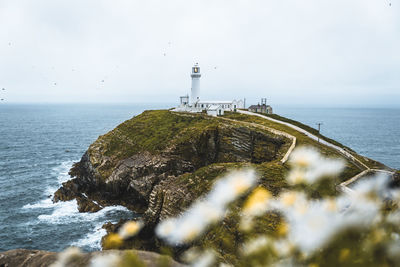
[{"x": 304, "y": 52}]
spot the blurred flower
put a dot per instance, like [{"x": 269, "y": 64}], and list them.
[
  {"x": 374, "y": 188},
  {"x": 309, "y": 166},
  {"x": 230, "y": 187},
  {"x": 109, "y": 259},
  {"x": 282, "y": 229},
  {"x": 304, "y": 157},
  {"x": 207, "y": 258},
  {"x": 296, "y": 176},
  {"x": 67, "y": 257},
  {"x": 255, "y": 245},
  {"x": 207, "y": 211},
  {"x": 191, "y": 254},
  {"x": 312, "y": 223},
  {"x": 283, "y": 248},
  {"x": 256, "y": 203},
  {"x": 112, "y": 241},
  {"x": 130, "y": 229}
]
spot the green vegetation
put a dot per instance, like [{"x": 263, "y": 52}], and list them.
[
  {"x": 226, "y": 237},
  {"x": 302, "y": 140},
  {"x": 153, "y": 131},
  {"x": 185, "y": 135},
  {"x": 307, "y": 128}
]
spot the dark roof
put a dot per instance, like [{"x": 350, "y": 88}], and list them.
[
  {"x": 254, "y": 106},
  {"x": 258, "y": 106}
]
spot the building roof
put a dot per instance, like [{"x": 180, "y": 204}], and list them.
[
  {"x": 258, "y": 106},
  {"x": 214, "y": 107},
  {"x": 255, "y": 106},
  {"x": 216, "y": 102}
]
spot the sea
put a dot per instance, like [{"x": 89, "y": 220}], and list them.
[{"x": 40, "y": 142}]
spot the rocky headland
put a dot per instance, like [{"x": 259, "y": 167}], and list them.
[{"x": 159, "y": 162}]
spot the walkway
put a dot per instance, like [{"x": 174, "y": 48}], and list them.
[{"x": 343, "y": 186}]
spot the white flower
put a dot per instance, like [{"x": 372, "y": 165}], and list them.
[
  {"x": 210, "y": 210},
  {"x": 232, "y": 186},
  {"x": 309, "y": 166},
  {"x": 130, "y": 229},
  {"x": 283, "y": 247},
  {"x": 255, "y": 245},
  {"x": 206, "y": 259},
  {"x": 66, "y": 257},
  {"x": 109, "y": 259},
  {"x": 304, "y": 157},
  {"x": 374, "y": 187},
  {"x": 312, "y": 223}
]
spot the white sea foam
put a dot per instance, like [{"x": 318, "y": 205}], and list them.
[
  {"x": 42, "y": 204},
  {"x": 67, "y": 212},
  {"x": 92, "y": 239},
  {"x": 64, "y": 213},
  {"x": 61, "y": 172}
]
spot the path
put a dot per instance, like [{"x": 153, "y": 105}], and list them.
[{"x": 343, "y": 186}]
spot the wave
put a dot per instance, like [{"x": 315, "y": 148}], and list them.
[
  {"x": 92, "y": 240},
  {"x": 43, "y": 204},
  {"x": 66, "y": 213},
  {"x": 61, "y": 172}
]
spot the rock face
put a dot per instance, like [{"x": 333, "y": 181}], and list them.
[
  {"x": 141, "y": 164},
  {"x": 22, "y": 257}
]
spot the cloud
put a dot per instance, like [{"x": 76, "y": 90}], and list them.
[{"x": 309, "y": 52}]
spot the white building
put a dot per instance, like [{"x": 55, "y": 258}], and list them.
[{"x": 213, "y": 108}]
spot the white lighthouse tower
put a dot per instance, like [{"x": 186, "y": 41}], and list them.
[{"x": 195, "y": 93}]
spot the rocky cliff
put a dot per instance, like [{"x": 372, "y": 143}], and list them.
[
  {"x": 159, "y": 162},
  {"x": 156, "y": 163}
]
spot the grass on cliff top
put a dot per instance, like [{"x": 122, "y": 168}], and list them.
[
  {"x": 302, "y": 140},
  {"x": 307, "y": 128},
  {"x": 156, "y": 131},
  {"x": 367, "y": 161},
  {"x": 152, "y": 131}
]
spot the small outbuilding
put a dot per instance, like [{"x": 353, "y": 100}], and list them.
[
  {"x": 215, "y": 110},
  {"x": 263, "y": 108}
]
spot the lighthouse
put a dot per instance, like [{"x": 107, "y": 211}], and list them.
[
  {"x": 195, "y": 105},
  {"x": 195, "y": 93}
]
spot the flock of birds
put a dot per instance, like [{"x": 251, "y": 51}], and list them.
[
  {"x": 102, "y": 81},
  {"x": 73, "y": 70}
]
